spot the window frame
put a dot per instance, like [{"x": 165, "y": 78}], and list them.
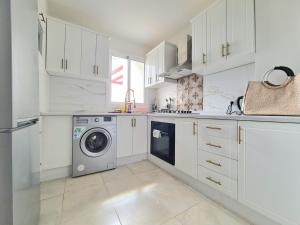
[{"x": 129, "y": 58}]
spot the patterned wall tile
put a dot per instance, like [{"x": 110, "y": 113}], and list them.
[{"x": 190, "y": 93}]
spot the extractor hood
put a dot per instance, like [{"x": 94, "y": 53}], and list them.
[{"x": 184, "y": 68}]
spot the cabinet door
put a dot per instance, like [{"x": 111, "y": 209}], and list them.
[
  {"x": 216, "y": 35},
  {"x": 102, "y": 56},
  {"x": 124, "y": 136},
  {"x": 56, "y": 32},
  {"x": 147, "y": 70},
  {"x": 72, "y": 50},
  {"x": 186, "y": 146},
  {"x": 160, "y": 62},
  {"x": 88, "y": 58},
  {"x": 240, "y": 32},
  {"x": 153, "y": 67},
  {"x": 199, "y": 44},
  {"x": 57, "y": 142},
  {"x": 140, "y": 135},
  {"x": 268, "y": 168}
]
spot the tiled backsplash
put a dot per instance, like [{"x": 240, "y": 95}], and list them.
[{"x": 190, "y": 93}]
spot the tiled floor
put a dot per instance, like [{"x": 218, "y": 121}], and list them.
[{"x": 137, "y": 194}]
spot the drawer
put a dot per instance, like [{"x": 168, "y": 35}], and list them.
[
  {"x": 218, "y": 128},
  {"x": 217, "y": 181},
  {"x": 219, "y": 164},
  {"x": 221, "y": 146}
]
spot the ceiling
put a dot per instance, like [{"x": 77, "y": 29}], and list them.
[{"x": 145, "y": 22}]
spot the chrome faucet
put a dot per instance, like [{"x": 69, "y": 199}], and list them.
[{"x": 129, "y": 105}]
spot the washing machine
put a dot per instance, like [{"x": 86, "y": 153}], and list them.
[{"x": 94, "y": 144}]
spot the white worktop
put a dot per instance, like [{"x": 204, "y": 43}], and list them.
[
  {"x": 279, "y": 119},
  {"x": 203, "y": 115}
]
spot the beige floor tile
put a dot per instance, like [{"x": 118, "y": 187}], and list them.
[
  {"x": 51, "y": 209},
  {"x": 117, "y": 174},
  {"x": 81, "y": 183},
  {"x": 155, "y": 176},
  {"x": 175, "y": 196},
  {"x": 172, "y": 222},
  {"x": 93, "y": 217},
  {"x": 125, "y": 186},
  {"x": 142, "y": 209},
  {"x": 53, "y": 188},
  {"x": 141, "y": 167},
  {"x": 206, "y": 213}
]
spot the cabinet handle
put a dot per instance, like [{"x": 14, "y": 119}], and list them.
[
  {"x": 134, "y": 122},
  {"x": 227, "y": 48},
  {"x": 203, "y": 58},
  {"x": 97, "y": 69},
  {"x": 214, "y": 163},
  {"x": 194, "y": 128},
  {"x": 239, "y": 135},
  {"x": 66, "y": 62},
  {"x": 131, "y": 122},
  {"x": 212, "y": 145},
  {"x": 62, "y": 64},
  {"x": 223, "y": 50},
  {"x": 213, "y": 128},
  {"x": 214, "y": 181}
]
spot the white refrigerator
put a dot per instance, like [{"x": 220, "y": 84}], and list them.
[{"x": 19, "y": 113}]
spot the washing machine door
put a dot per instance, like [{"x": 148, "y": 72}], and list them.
[{"x": 95, "y": 142}]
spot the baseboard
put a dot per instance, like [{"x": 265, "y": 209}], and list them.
[
  {"x": 131, "y": 159},
  {"x": 62, "y": 172},
  {"x": 57, "y": 173},
  {"x": 227, "y": 202}
]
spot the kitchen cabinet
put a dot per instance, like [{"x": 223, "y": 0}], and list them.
[
  {"x": 186, "y": 146},
  {"x": 76, "y": 52},
  {"x": 88, "y": 59},
  {"x": 224, "y": 36},
  {"x": 55, "y": 46},
  {"x": 240, "y": 32},
  {"x": 56, "y": 142},
  {"x": 158, "y": 62},
  {"x": 269, "y": 164},
  {"x": 63, "y": 48},
  {"x": 199, "y": 51},
  {"x": 131, "y": 135},
  {"x": 72, "y": 50},
  {"x": 216, "y": 35}
]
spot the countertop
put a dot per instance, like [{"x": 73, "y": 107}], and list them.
[{"x": 203, "y": 115}]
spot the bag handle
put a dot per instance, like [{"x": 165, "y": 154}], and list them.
[{"x": 290, "y": 76}]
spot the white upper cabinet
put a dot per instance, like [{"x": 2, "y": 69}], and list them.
[
  {"x": 240, "y": 31},
  {"x": 76, "y": 52},
  {"x": 158, "y": 62},
  {"x": 199, "y": 43},
  {"x": 216, "y": 35},
  {"x": 269, "y": 165},
  {"x": 56, "y": 32},
  {"x": 88, "y": 59},
  {"x": 102, "y": 56},
  {"x": 224, "y": 36},
  {"x": 72, "y": 50}
]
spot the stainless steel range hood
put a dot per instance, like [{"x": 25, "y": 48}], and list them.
[{"x": 185, "y": 68}]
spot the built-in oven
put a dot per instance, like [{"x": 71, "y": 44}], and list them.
[{"x": 163, "y": 141}]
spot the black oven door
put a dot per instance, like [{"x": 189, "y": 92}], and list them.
[{"x": 163, "y": 141}]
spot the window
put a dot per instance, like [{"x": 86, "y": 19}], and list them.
[{"x": 126, "y": 74}]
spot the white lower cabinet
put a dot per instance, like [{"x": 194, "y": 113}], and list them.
[
  {"x": 56, "y": 142},
  {"x": 269, "y": 165},
  {"x": 186, "y": 146},
  {"x": 131, "y": 135}
]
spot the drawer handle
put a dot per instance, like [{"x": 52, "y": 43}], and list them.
[
  {"x": 214, "y": 128},
  {"x": 214, "y": 163},
  {"x": 214, "y": 181},
  {"x": 215, "y": 146}
]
